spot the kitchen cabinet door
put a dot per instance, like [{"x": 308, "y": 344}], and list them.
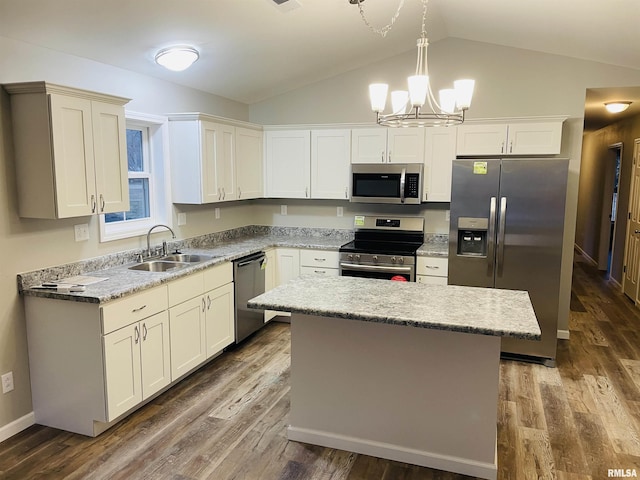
[
  {"x": 187, "y": 336},
  {"x": 219, "y": 319},
  {"x": 288, "y": 264},
  {"x": 288, "y": 163},
  {"x": 270, "y": 279},
  {"x": 440, "y": 152},
  {"x": 543, "y": 138},
  {"x": 405, "y": 145},
  {"x": 123, "y": 371},
  {"x": 249, "y": 161},
  {"x": 110, "y": 152},
  {"x": 477, "y": 139},
  {"x": 330, "y": 164},
  {"x": 155, "y": 353},
  {"x": 369, "y": 145},
  {"x": 218, "y": 169}
]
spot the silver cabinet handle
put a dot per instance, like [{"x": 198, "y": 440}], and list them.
[
  {"x": 346, "y": 192},
  {"x": 382, "y": 156},
  {"x": 144, "y": 332},
  {"x": 491, "y": 234},
  {"x": 501, "y": 234},
  {"x": 136, "y": 334},
  {"x": 138, "y": 309},
  {"x": 510, "y": 146},
  {"x": 306, "y": 192},
  {"x": 219, "y": 194},
  {"x": 389, "y": 156},
  {"x": 320, "y": 271},
  {"x": 320, "y": 259},
  {"x": 239, "y": 193},
  {"x": 502, "y": 147},
  {"x": 203, "y": 304},
  {"x": 432, "y": 267},
  {"x": 93, "y": 204},
  {"x": 208, "y": 302},
  {"x": 102, "y": 203}
]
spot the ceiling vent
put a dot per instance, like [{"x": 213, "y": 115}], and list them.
[{"x": 286, "y": 5}]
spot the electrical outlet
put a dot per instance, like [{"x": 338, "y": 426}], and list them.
[
  {"x": 7, "y": 382},
  {"x": 216, "y": 213},
  {"x": 340, "y": 212},
  {"x": 283, "y": 209},
  {"x": 447, "y": 215},
  {"x": 182, "y": 219},
  {"x": 81, "y": 232}
]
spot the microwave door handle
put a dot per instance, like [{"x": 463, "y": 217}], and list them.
[{"x": 402, "y": 182}]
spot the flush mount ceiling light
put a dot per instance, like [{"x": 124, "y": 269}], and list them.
[
  {"x": 177, "y": 58},
  {"x": 454, "y": 102},
  {"x": 616, "y": 107}
]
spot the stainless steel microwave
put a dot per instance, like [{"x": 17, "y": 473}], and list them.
[{"x": 386, "y": 183}]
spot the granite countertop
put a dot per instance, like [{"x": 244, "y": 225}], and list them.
[
  {"x": 483, "y": 311},
  {"x": 435, "y": 245},
  {"x": 121, "y": 281}
]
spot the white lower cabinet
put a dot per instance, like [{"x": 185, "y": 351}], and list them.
[
  {"x": 136, "y": 363},
  {"x": 319, "y": 262},
  {"x": 432, "y": 270},
  {"x": 91, "y": 364}
]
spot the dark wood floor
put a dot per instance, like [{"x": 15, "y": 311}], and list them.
[{"x": 228, "y": 420}]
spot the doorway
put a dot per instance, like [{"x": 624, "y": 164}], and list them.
[{"x": 609, "y": 206}]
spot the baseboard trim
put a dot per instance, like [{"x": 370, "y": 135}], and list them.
[
  {"x": 585, "y": 255},
  {"x": 563, "y": 334},
  {"x": 17, "y": 426},
  {"x": 394, "y": 452}
]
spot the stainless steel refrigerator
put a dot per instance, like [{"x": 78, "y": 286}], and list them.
[{"x": 506, "y": 229}]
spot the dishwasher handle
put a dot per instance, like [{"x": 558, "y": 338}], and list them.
[{"x": 256, "y": 257}]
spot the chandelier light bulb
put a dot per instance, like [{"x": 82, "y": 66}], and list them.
[
  {"x": 464, "y": 93},
  {"x": 378, "y": 96},
  {"x": 448, "y": 100},
  {"x": 177, "y": 59},
  {"x": 399, "y": 99}
]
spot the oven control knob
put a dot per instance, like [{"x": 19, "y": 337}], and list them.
[
  {"x": 350, "y": 257},
  {"x": 401, "y": 260},
  {"x": 357, "y": 257},
  {"x": 375, "y": 258},
  {"x": 393, "y": 259}
]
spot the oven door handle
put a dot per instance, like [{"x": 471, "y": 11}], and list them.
[
  {"x": 403, "y": 177},
  {"x": 374, "y": 268}
]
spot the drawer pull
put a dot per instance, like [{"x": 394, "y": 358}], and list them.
[
  {"x": 320, "y": 271},
  {"x": 138, "y": 309},
  {"x": 433, "y": 267},
  {"x": 320, "y": 259}
]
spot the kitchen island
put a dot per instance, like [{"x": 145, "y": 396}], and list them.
[{"x": 402, "y": 371}]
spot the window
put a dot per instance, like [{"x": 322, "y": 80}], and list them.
[{"x": 149, "y": 201}]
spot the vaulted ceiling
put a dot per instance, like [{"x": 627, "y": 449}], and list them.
[{"x": 254, "y": 49}]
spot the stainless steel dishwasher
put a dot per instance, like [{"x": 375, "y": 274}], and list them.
[{"x": 248, "y": 275}]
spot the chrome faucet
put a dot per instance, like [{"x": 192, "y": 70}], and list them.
[{"x": 164, "y": 244}]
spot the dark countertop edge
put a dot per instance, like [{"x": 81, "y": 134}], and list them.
[{"x": 401, "y": 322}]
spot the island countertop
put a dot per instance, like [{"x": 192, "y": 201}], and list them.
[{"x": 475, "y": 310}]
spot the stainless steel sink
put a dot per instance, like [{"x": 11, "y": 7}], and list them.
[
  {"x": 188, "y": 258},
  {"x": 158, "y": 266}
]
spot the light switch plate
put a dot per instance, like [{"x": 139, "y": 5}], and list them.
[
  {"x": 340, "y": 212},
  {"x": 447, "y": 215},
  {"x": 182, "y": 219},
  {"x": 217, "y": 213},
  {"x": 81, "y": 232},
  {"x": 283, "y": 209},
  {"x": 7, "y": 382}
]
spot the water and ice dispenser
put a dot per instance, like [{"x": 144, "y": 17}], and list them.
[{"x": 472, "y": 236}]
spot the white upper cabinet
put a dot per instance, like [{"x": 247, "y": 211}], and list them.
[
  {"x": 525, "y": 138},
  {"x": 440, "y": 151},
  {"x": 387, "y": 145},
  {"x": 202, "y": 160},
  {"x": 71, "y": 153},
  {"x": 248, "y": 163},
  {"x": 330, "y": 164},
  {"x": 288, "y": 163}
]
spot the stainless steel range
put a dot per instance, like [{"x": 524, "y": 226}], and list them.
[{"x": 384, "y": 247}]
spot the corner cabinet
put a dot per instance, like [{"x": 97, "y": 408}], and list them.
[
  {"x": 517, "y": 138},
  {"x": 70, "y": 147},
  {"x": 213, "y": 161}
]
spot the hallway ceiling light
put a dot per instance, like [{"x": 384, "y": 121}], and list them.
[
  {"x": 454, "y": 102},
  {"x": 177, "y": 58},
  {"x": 617, "y": 107}
]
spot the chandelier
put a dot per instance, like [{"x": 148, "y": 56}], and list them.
[{"x": 408, "y": 107}]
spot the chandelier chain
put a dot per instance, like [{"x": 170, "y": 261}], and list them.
[{"x": 384, "y": 30}]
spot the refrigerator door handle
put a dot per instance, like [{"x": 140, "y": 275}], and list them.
[
  {"x": 491, "y": 234},
  {"x": 501, "y": 234}
]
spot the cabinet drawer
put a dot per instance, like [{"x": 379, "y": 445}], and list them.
[
  {"x": 217, "y": 276},
  {"x": 319, "y": 258},
  {"x": 125, "y": 311},
  {"x": 325, "y": 272},
  {"x": 435, "y": 266},
  {"x": 185, "y": 288},
  {"x": 431, "y": 280}
]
